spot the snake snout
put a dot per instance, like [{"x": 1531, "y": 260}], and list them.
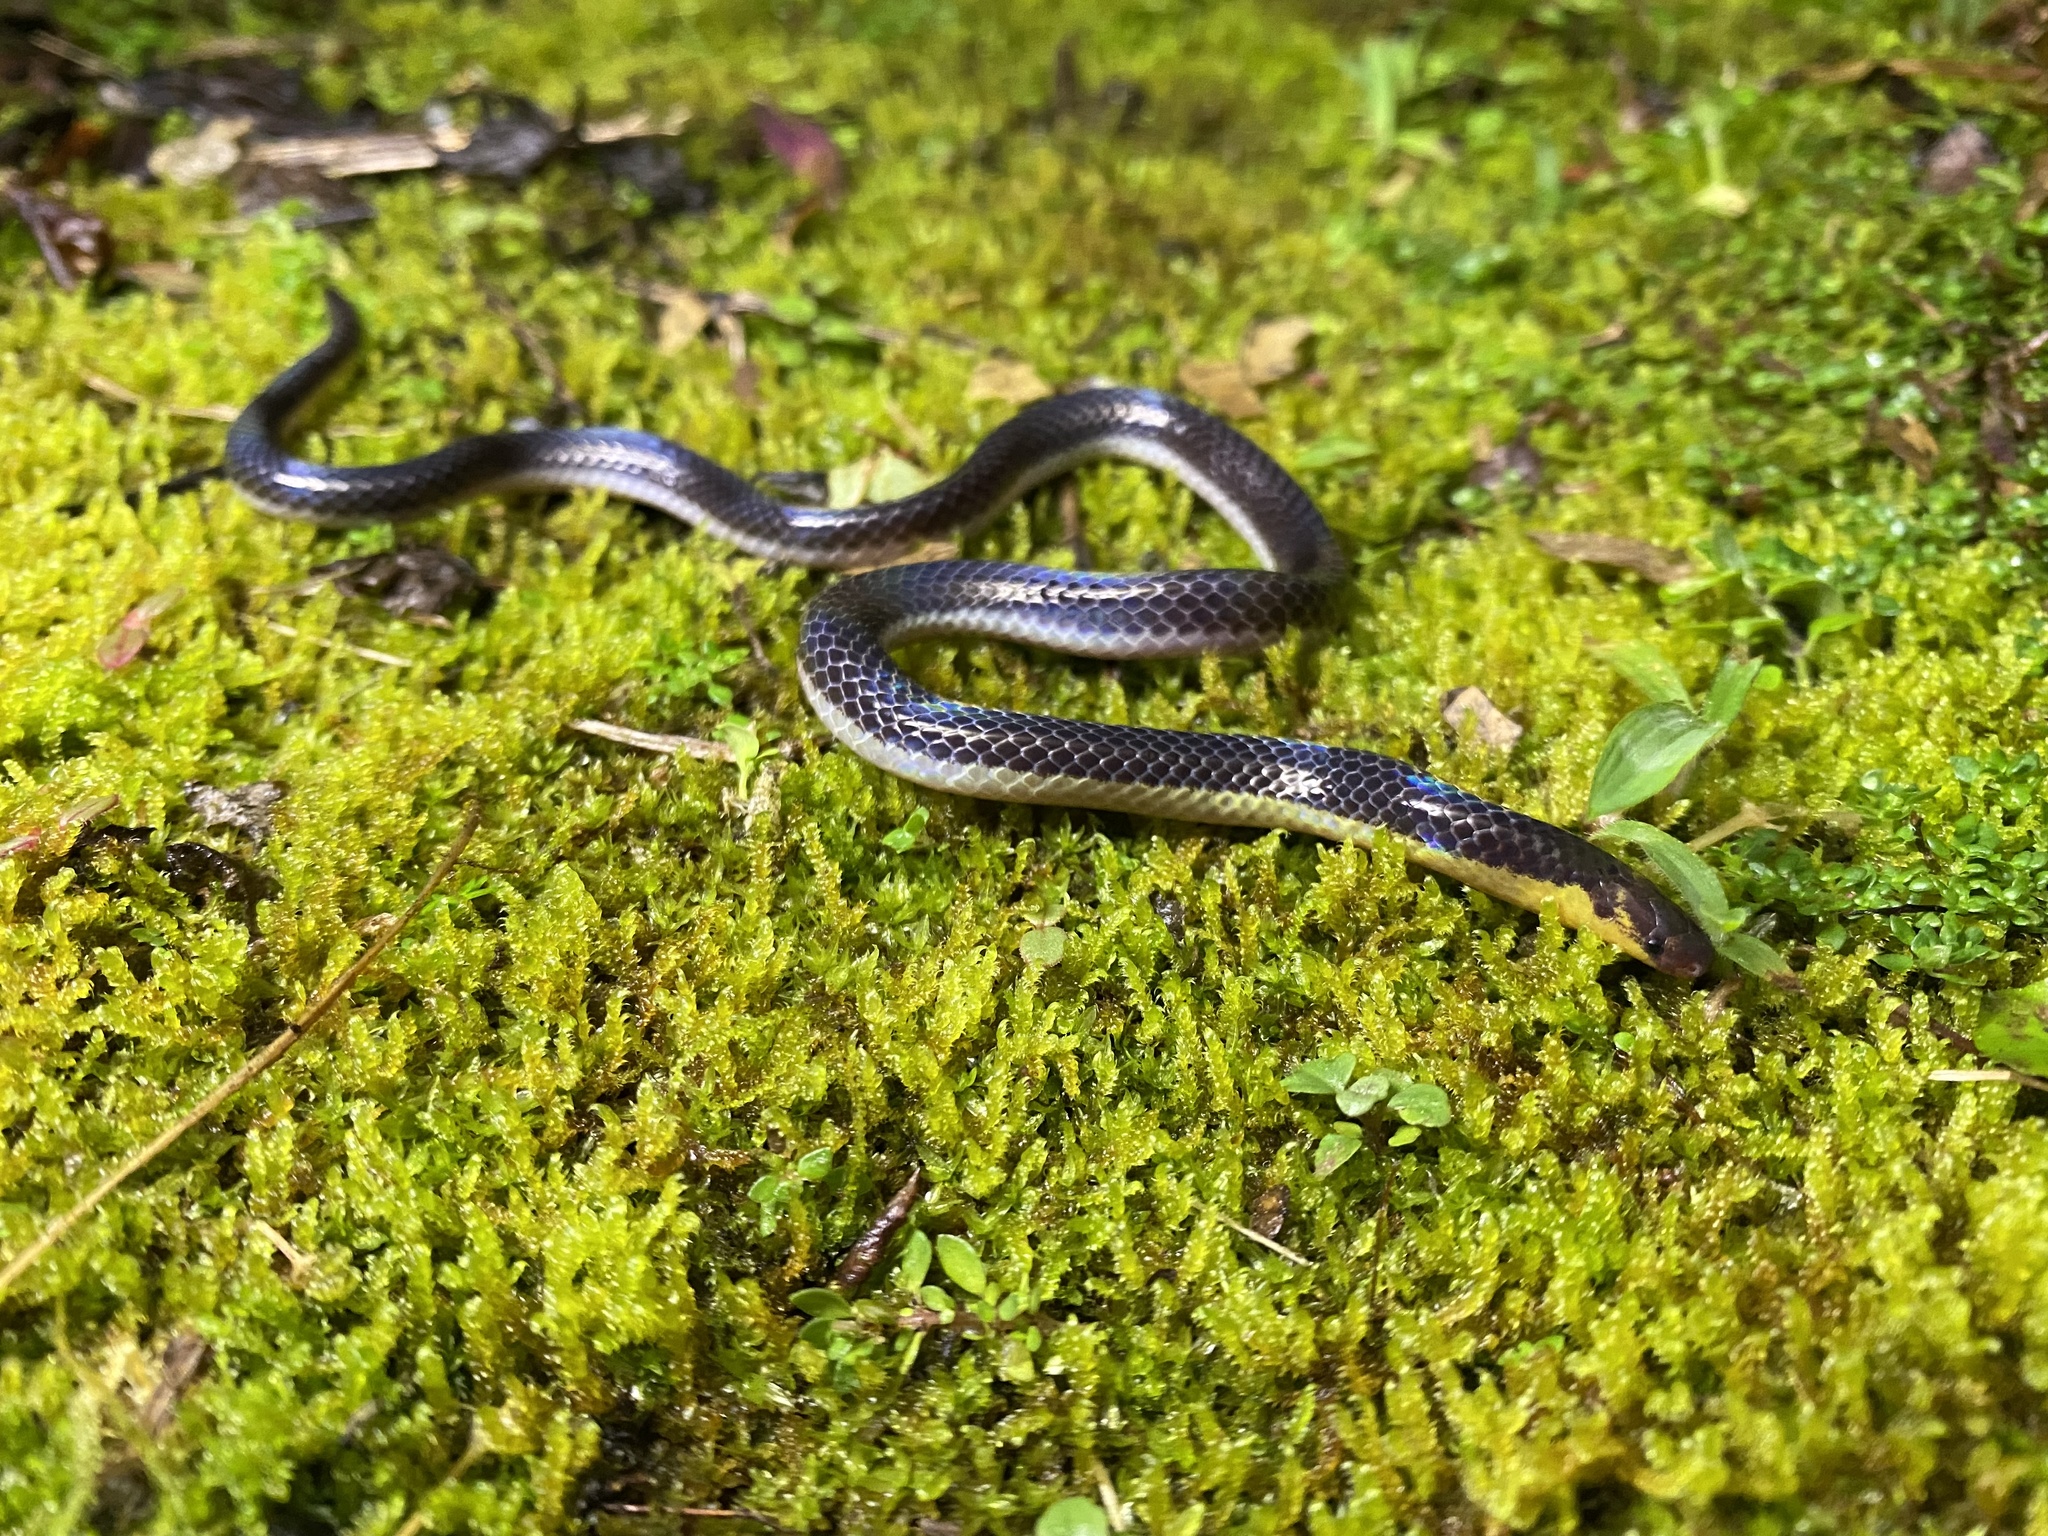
[{"x": 1672, "y": 941}]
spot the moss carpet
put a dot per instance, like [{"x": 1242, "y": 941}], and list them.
[{"x": 512, "y": 1244}]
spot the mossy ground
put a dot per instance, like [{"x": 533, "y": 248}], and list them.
[{"x": 1676, "y": 1264}]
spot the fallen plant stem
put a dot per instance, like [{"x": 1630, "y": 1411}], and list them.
[
  {"x": 1261, "y": 1239},
  {"x": 867, "y": 1249},
  {"x": 243, "y": 1075},
  {"x": 472, "y": 1453},
  {"x": 654, "y": 741},
  {"x": 1989, "y": 1075}
]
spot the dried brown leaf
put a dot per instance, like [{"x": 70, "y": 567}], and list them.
[
  {"x": 1956, "y": 158},
  {"x": 203, "y": 156},
  {"x": 1492, "y": 727},
  {"x": 173, "y": 279},
  {"x": 77, "y": 247},
  {"x": 1223, "y": 387},
  {"x": 1650, "y": 561},
  {"x": 250, "y": 808},
  {"x": 1272, "y": 350},
  {"x": 1907, "y": 436},
  {"x": 684, "y": 314},
  {"x": 349, "y": 154},
  {"x": 1008, "y": 379}
]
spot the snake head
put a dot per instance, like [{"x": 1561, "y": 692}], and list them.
[{"x": 1667, "y": 937}]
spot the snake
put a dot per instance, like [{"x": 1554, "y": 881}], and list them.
[{"x": 848, "y": 630}]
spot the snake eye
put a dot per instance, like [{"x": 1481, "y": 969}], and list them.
[
  {"x": 1686, "y": 953},
  {"x": 1671, "y": 940}
]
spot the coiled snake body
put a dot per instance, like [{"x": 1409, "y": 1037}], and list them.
[{"x": 871, "y": 706}]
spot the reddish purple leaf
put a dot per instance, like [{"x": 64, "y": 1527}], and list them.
[
  {"x": 803, "y": 146},
  {"x": 126, "y": 643}
]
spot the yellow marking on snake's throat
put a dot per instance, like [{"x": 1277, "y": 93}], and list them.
[{"x": 1574, "y": 904}]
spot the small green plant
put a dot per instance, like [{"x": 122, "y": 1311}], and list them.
[
  {"x": 1045, "y": 942},
  {"x": 1773, "y": 599},
  {"x": 746, "y": 743},
  {"x": 905, "y": 837},
  {"x": 1652, "y": 746},
  {"x": 1655, "y": 747},
  {"x": 1072, "y": 1517},
  {"x": 773, "y": 1190},
  {"x": 1386, "y": 70},
  {"x": 2012, "y": 1027},
  {"x": 1418, "y": 1106},
  {"x": 682, "y": 669}
]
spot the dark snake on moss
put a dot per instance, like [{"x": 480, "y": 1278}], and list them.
[{"x": 871, "y": 706}]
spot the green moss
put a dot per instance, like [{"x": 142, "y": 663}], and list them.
[{"x": 511, "y": 1244}]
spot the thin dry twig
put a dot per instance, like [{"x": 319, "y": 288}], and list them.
[
  {"x": 653, "y": 741},
  {"x": 385, "y": 658},
  {"x": 705, "y": 1512},
  {"x": 471, "y": 1454},
  {"x": 1261, "y": 1239},
  {"x": 114, "y": 389},
  {"x": 1988, "y": 1075},
  {"x": 245, "y": 1074}
]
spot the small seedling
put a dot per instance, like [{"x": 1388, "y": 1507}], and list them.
[
  {"x": 905, "y": 837},
  {"x": 1418, "y": 1106},
  {"x": 1648, "y": 752},
  {"x": 772, "y": 1191}
]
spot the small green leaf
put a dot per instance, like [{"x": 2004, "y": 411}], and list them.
[
  {"x": 1073, "y": 1517},
  {"x": 814, "y": 1164},
  {"x": 1697, "y": 886},
  {"x": 1325, "y": 1076},
  {"x": 1724, "y": 549},
  {"x": 1830, "y": 623},
  {"x": 1405, "y": 1136},
  {"x": 1752, "y": 954},
  {"x": 738, "y": 733},
  {"x": 1726, "y": 693},
  {"x": 1645, "y": 752},
  {"x": 1326, "y": 452},
  {"x": 905, "y": 837},
  {"x": 1361, "y": 1096},
  {"x": 894, "y": 478},
  {"x": 793, "y": 309},
  {"x": 962, "y": 1264},
  {"x": 817, "y": 1301},
  {"x": 917, "y": 1261},
  {"x": 1422, "y": 1104},
  {"x": 817, "y": 1332},
  {"x": 840, "y": 331},
  {"x": 1043, "y": 946},
  {"x": 2013, "y": 1028},
  {"x": 1334, "y": 1151},
  {"x": 1624, "y": 1041},
  {"x": 935, "y": 1298},
  {"x": 1645, "y": 666},
  {"x": 1010, "y": 1306},
  {"x": 767, "y": 1189}
]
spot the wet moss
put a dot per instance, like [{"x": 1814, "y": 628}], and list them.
[{"x": 511, "y": 1246}]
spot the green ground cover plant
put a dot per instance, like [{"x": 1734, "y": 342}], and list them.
[{"x": 544, "y": 1229}]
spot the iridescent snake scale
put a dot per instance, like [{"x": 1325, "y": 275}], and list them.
[{"x": 879, "y": 713}]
